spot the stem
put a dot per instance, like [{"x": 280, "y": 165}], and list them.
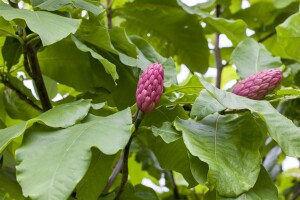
[
  {"x": 217, "y": 52},
  {"x": 37, "y": 77},
  {"x": 21, "y": 95},
  {"x": 175, "y": 189},
  {"x": 126, "y": 155},
  {"x": 109, "y": 14},
  {"x": 32, "y": 67},
  {"x": 227, "y": 111},
  {"x": 122, "y": 164},
  {"x": 267, "y": 36}
]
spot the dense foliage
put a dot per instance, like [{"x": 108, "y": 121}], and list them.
[{"x": 69, "y": 125}]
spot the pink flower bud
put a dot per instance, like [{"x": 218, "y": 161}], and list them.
[
  {"x": 258, "y": 85},
  {"x": 150, "y": 87}
]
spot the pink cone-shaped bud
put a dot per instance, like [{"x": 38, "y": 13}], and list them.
[
  {"x": 150, "y": 87},
  {"x": 258, "y": 85}
]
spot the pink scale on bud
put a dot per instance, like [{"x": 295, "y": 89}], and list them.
[
  {"x": 258, "y": 85},
  {"x": 150, "y": 87}
]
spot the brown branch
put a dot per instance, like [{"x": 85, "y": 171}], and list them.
[
  {"x": 267, "y": 36},
  {"x": 217, "y": 52},
  {"x": 31, "y": 54},
  {"x": 32, "y": 67},
  {"x": 109, "y": 14}
]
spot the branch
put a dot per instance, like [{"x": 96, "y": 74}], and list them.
[
  {"x": 109, "y": 13},
  {"x": 122, "y": 164},
  {"x": 21, "y": 95},
  {"x": 32, "y": 67},
  {"x": 126, "y": 155},
  {"x": 217, "y": 52},
  {"x": 267, "y": 36},
  {"x": 31, "y": 54},
  {"x": 227, "y": 111}
]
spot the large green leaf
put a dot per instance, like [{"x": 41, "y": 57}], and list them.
[
  {"x": 230, "y": 151},
  {"x": 289, "y": 36},
  {"x": 172, "y": 32},
  {"x": 6, "y": 27},
  {"x": 61, "y": 116},
  {"x": 11, "y": 52},
  {"x": 70, "y": 154},
  {"x": 50, "y": 27},
  {"x": 59, "y": 60},
  {"x": 250, "y": 57},
  {"x": 281, "y": 129}
]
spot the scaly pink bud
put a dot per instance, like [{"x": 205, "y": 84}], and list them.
[
  {"x": 150, "y": 87},
  {"x": 258, "y": 85}
]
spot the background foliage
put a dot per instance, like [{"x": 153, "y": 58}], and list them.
[{"x": 68, "y": 75}]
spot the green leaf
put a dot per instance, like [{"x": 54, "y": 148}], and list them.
[
  {"x": 148, "y": 55},
  {"x": 64, "y": 115},
  {"x": 16, "y": 107},
  {"x": 50, "y": 27},
  {"x": 281, "y": 129},
  {"x": 199, "y": 169},
  {"x": 182, "y": 94},
  {"x": 93, "y": 182},
  {"x": 58, "y": 60},
  {"x": 109, "y": 67},
  {"x": 172, "y": 32},
  {"x": 235, "y": 30},
  {"x": 282, "y": 4},
  {"x": 172, "y": 156},
  {"x": 251, "y": 57},
  {"x": 53, "y": 5},
  {"x": 263, "y": 189},
  {"x": 205, "y": 105},
  {"x": 70, "y": 154},
  {"x": 9, "y": 186},
  {"x": 289, "y": 37},
  {"x": 167, "y": 132},
  {"x": 139, "y": 192},
  {"x": 11, "y": 52},
  {"x": 230, "y": 151},
  {"x": 6, "y": 27}
]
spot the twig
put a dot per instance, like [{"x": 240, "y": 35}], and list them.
[
  {"x": 227, "y": 111},
  {"x": 217, "y": 52},
  {"x": 126, "y": 154},
  {"x": 12, "y": 4},
  {"x": 109, "y": 14},
  {"x": 296, "y": 193},
  {"x": 21, "y": 95},
  {"x": 175, "y": 189},
  {"x": 114, "y": 174},
  {"x": 267, "y": 36},
  {"x": 31, "y": 54}
]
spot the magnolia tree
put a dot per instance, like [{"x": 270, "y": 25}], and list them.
[{"x": 91, "y": 108}]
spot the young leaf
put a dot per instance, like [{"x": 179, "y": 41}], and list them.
[{"x": 61, "y": 116}]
